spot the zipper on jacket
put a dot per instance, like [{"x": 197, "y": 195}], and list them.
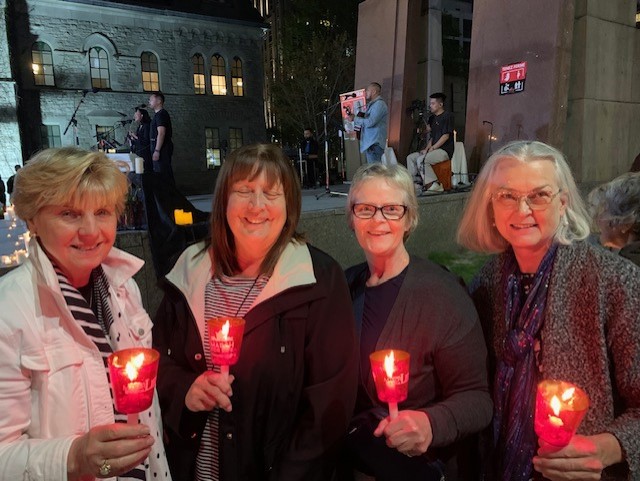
[{"x": 281, "y": 333}]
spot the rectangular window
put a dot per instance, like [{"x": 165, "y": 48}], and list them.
[
  {"x": 50, "y": 136},
  {"x": 235, "y": 138},
  {"x": 212, "y": 143}
]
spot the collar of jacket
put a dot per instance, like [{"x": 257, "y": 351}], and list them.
[
  {"x": 193, "y": 270},
  {"x": 118, "y": 266}
]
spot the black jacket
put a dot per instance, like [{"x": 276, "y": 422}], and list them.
[{"x": 295, "y": 382}]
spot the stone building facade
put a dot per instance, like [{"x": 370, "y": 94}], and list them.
[{"x": 105, "y": 57}]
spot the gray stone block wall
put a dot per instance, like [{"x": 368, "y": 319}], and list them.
[{"x": 71, "y": 29}]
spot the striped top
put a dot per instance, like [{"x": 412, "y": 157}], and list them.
[
  {"x": 225, "y": 296},
  {"x": 96, "y": 326}
]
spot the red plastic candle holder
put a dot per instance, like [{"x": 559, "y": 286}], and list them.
[
  {"x": 560, "y": 407},
  {"x": 225, "y": 339},
  {"x": 390, "y": 369},
  {"x": 133, "y": 375}
]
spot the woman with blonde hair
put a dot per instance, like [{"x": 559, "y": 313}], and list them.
[
  {"x": 553, "y": 307},
  {"x": 64, "y": 311}
]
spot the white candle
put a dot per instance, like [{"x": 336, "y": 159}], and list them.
[
  {"x": 139, "y": 165},
  {"x": 455, "y": 137}
]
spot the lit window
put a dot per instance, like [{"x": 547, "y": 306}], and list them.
[
  {"x": 150, "y": 80},
  {"x": 218, "y": 76},
  {"x": 214, "y": 153},
  {"x": 198, "y": 74},
  {"x": 99, "y": 65},
  {"x": 235, "y": 138},
  {"x": 42, "y": 64},
  {"x": 236, "y": 77},
  {"x": 50, "y": 136}
]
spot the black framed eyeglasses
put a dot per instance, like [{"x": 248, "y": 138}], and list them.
[
  {"x": 389, "y": 212},
  {"x": 536, "y": 199}
]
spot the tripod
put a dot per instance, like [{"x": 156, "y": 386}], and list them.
[{"x": 327, "y": 190}]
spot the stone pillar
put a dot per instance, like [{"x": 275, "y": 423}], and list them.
[
  {"x": 388, "y": 43},
  {"x": 434, "y": 70},
  {"x": 581, "y": 95}
]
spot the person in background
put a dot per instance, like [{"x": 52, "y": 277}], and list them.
[
  {"x": 615, "y": 210},
  {"x": 553, "y": 307},
  {"x": 309, "y": 148},
  {"x": 10, "y": 181},
  {"x": 439, "y": 148},
  {"x": 3, "y": 199},
  {"x": 373, "y": 123},
  {"x": 161, "y": 137},
  {"x": 142, "y": 138},
  {"x": 64, "y": 311},
  {"x": 405, "y": 302},
  {"x": 284, "y": 409}
]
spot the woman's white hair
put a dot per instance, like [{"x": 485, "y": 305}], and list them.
[{"x": 476, "y": 230}]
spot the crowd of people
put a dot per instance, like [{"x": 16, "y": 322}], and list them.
[{"x": 301, "y": 403}]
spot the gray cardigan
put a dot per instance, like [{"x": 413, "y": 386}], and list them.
[
  {"x": 590, "y": 336},
  {"x": 433, "y": 319}
]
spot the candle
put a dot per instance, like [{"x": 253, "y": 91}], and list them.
[
  {"x": 225, "y": 340},
  {"x": 27, "y": 238},
  {"x": 390, "y": 369},
  {"x": 133, "y": 375},
  {"x": 6, "y": 260},
  {"x": 182, "y": 218},
  {"x": 9, "y": 214},
  {"x": 139, "y": 162},
  {"x": 455, "y": 137},
  {"x": 560, "y": 407}
]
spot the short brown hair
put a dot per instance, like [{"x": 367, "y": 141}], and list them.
[
  {"x": 63, "y": 176},
  {"x": 248, "y": 162}
]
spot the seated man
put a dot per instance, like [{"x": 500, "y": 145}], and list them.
[{"x": 438, "y": 149}]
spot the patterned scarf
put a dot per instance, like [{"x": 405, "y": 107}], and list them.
[
  {"x": 516, "y": 376},
  {"x": 95, "y": 319}
]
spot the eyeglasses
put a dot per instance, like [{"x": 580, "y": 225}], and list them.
[
  {"x": 536, "y": 200},
  {"x": 389, "y": 212}
]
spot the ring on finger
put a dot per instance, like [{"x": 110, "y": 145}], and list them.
[{"x": 105, "y": 468}]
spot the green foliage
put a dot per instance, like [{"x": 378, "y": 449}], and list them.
[
  {"x": 317, "y": 49},
  {"x": 464, "y": 264}
]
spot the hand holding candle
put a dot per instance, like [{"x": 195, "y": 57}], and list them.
[
  {"x": 225, "y": 340},
  {"x": 560, "y": 407},
  {"x": 390, "y": 369},
  {"x": 133, "y": 375}
]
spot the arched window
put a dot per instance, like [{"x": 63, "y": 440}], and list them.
[
  {"x": 237, "y": 83},
  {"x": 198, "y": 74},
  {"x": 150, "y": 80},
  {"x": 218, "y": 76},
  {"x": 99, "y": 64},
  {"x": 42, "y": 64}
]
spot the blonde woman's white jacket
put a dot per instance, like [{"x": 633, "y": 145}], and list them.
[{"x": 53, "y": 384}]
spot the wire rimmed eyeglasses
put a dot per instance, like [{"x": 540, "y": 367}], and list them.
[
  {"x": 389, "y": 212},
  {"x": 535, "y": 199}
]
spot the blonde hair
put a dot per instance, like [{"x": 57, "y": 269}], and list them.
[
  {"x": 64, "y": 176},
  {"x": 476, "y": 230},
  {"x": 398, "y": 176}
]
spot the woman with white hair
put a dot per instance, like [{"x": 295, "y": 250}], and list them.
[
  {"x": 616, "y": 214},
  {"x": 553, "y": 307},
  {"x": 403, "y": 302}
]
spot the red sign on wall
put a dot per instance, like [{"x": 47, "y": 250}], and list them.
[{"x": 512, "y": 78}]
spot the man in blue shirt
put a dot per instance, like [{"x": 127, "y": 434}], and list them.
[{"x": 373, "y": 124}]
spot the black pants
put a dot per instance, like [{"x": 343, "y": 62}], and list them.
[
  {"x": 163, "y": 165},
  {"x": 370, "y": 455}
]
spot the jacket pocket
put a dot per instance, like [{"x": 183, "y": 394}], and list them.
[{"x": 140, "y": 326}]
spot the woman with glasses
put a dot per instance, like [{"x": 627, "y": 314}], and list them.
[
  {"x": 553, "y": 307},
  {"x": 407, "y": 303},
  {"x": 284, "y": 409}
]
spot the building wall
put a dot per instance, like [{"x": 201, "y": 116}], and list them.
[
  {"x": 71, "y": 29},
  {"x": 10, "y": 154}
]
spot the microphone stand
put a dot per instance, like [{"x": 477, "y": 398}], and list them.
[
  {"x": 327, "y": 190},
  {"x": 74, "y": 121}
]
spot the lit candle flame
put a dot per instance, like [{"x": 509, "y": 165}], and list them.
[
  {"x": 133, "y": 366},
  {"x": 555, "y": 405},
  {"x": 389, "y": 364},
  {"x": 568, "y": 394},
  {"x": 225, "y": 330}
]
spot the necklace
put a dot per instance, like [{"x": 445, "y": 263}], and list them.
[{"x": 255, "y": 281}]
